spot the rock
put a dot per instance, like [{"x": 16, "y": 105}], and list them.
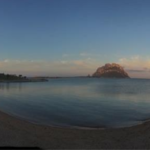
[{"x": 111, "y": 71}]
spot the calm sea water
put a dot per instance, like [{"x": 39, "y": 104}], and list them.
[{"x": 79, "y": 102}]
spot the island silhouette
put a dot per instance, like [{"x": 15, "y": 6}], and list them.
[{"x": 111, "y": 71}]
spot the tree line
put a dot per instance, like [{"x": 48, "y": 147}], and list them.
[{"x": 11, "y": 77}]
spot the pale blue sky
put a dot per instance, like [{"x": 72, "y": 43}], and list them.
[{"x": 74, "y": 37}]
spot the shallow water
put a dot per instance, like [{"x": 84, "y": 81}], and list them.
[{"x": 79, "y": 102}]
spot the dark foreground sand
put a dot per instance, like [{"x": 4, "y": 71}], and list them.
[{"x": 16, "y": 132}]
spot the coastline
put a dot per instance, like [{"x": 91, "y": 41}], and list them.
[
  {"x": 23, "y": 81},
  {"x": 20, "y": 133}
]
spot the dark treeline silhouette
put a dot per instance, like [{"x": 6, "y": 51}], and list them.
[
  {"x": 11, "y": 77},
  {"x": 20, "y": 148}
]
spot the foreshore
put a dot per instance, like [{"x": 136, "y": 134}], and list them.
[{"x": 19, "y": 133}]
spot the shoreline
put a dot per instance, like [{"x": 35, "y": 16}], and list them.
[
  {"x": 100, "y": 127},
  {"x": 20, "y": 133},
  {"x": 23, "y": 81}
]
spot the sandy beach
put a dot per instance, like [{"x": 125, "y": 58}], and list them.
[{"x": 16, "y": 132}]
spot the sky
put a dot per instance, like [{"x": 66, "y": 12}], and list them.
[{"x": 74, "y": 37}]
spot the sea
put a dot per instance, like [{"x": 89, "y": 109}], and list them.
[{"x": 79, "y": 102}]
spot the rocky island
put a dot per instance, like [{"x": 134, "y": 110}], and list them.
[{"x": 111, "y": 71}]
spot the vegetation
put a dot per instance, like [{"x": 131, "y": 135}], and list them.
[{"x": 10, "y": 77}]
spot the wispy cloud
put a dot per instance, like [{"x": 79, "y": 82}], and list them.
[
  {"x": 52, "y": 68},
  {"x": 85, "y": 54},
  {"x": 137, "y": 66},
  {"x": 135, "y": 62},
  {"x": 133, "y": 70}
]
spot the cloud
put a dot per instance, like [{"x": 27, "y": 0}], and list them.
[
  {"x": 51, "y": 68},
  {"x": 84, "y": 54},
  {"x": 135, "y": 62},
  {"x": 133, "y": 70},
  {"x": 137, "y": 66},
  {"x": 63, "y": 62}
]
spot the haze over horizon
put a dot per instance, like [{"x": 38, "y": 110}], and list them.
[{"x": 74, "y": 37}]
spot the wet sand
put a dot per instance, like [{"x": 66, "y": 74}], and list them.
[{"x": 16, "y": 132}]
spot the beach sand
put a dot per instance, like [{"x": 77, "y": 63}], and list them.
[{"x": 16, "y": 132}]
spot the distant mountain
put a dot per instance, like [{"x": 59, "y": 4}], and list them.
[{"x": 111, "y": 71}]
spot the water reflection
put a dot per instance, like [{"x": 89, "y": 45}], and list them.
[{"x": 11, "y": 86}]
